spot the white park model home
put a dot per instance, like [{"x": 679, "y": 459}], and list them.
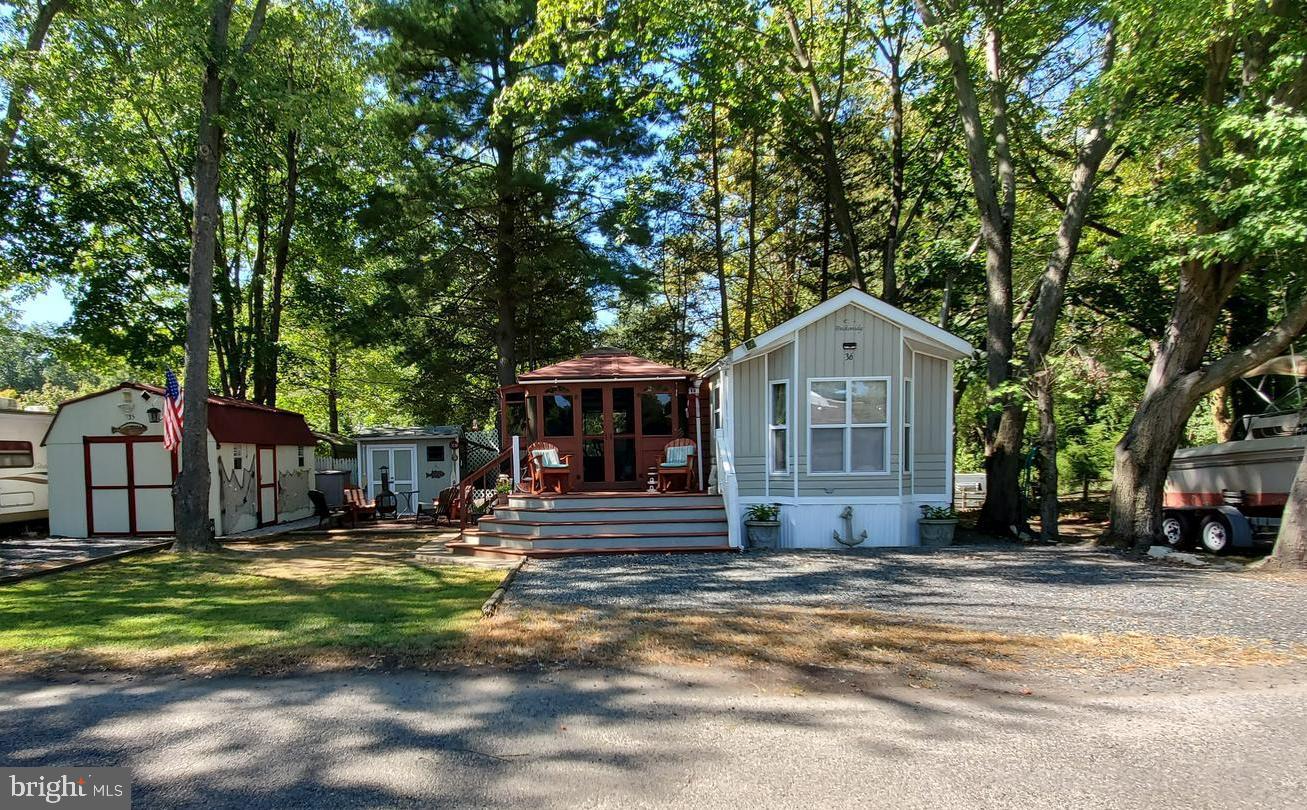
[{"x": 849, "y": 404}]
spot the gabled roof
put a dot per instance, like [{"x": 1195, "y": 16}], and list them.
[
  {"x": 230, "y": 420},
  {"x": 416, "y": 432},
  {"x": 947, "y": 343},
  {"x": 604, "y": 364}
]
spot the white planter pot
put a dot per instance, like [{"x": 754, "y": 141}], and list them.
[
  {"x": 936, "y": 533},
  {"x": 763, "y": 534}
]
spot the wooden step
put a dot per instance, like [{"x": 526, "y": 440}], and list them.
[
  {"x": 606, "y": 513},
  {"x": 669, "y": 500},
  {"x": 498, "y": 552},
  {"x": 596, "y": 540},
  {"x": 667, "y": 524}
]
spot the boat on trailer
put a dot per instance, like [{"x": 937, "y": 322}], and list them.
[{"x": 1231, "y": 495}]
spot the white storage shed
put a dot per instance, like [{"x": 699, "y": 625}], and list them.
[{"x": 110, "y": 474}]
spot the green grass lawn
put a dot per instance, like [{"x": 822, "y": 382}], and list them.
[{"x": 287, "y": 607}]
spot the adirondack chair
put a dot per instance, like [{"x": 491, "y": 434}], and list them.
[
  {"x": 442, "y": 509},
  {"x": 548, "y": 469},
  {"x": 677, "y": 465},
  {"x": 358, "y": 506},
  {"x": 324, "y": 512}
]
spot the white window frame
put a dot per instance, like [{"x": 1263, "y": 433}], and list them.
[
  {"x": 715, "y": 403},
  {"x": 773, "y": 427},
  {"x": 908, "y": 397},
  {"x": 848, "y": 427}
]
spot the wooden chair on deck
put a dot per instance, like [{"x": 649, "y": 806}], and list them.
[
  {"x": 443, "y": 508},
  {"x": 358, "y": 505},
  {"x": 677, "y": 465},
  {"x": 548, "y": 469}
]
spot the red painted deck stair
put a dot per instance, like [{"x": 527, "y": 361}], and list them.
[{"x": 607, "y": 523}]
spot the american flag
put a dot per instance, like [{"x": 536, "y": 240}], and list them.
[{"x": 172, "y": 412}]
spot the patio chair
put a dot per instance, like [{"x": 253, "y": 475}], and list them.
[
  {"x": 677, "y": 466},
  {"x": 324, "y": 512},
  {"x": 358, "y": 506},
  {"x": 548, "y": 469},
  {"x": 442, "y": 508}
]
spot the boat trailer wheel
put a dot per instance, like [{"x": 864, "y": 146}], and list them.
[
  {"x": 1176, "y": 530},
  {"x": 1215, "y": 535}
]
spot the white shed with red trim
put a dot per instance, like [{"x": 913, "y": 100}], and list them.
[{"x": 110, "y": 474}]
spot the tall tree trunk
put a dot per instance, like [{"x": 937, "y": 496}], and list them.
[
  {"x": 889, "y": 290},
  {"x": 192, "y": 528},
  {"x": 258, "y": 293},
  {"x": 832, "y": 169},
  {"x": 1222, "y": 414},
  {"x": 280, "y": 262},
  {"x": 825, "y": 243},
  {"x": 751, "y": 273},
  {"x": 333, "y": 385},
  {"x": 191, "y": 491},
  {"x": 1048, "y": 478},
  {"x": 1003, "y": 430},
  {"x": 1291, "y": 543},
  {"x": 506, "y": 262},
  {"x": 16, "y": 106},
  {"x": 719, "y": 247}
]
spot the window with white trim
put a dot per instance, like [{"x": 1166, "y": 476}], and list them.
[
  {"x": 778, "y": 428},
  {"x": 715, "y": 393},
  {"x": 907, "y": 426},
  {"x": 848, "y": 425}
]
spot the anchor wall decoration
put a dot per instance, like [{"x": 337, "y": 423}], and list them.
[{"x": 847, "y": 516}]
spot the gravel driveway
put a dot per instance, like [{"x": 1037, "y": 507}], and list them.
[{"x": 1032, "y": 590}]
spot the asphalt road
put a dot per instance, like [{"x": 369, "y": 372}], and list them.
[{"x": 676, "y": 738}]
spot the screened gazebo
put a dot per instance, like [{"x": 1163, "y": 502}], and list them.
[{"x": 611, "y": 411}]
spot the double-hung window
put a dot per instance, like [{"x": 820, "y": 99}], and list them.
[
  {"x": 848, "y": 425},
  {"x": 778, "y": 428}
]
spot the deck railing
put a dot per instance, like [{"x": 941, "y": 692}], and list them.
[{"x": 478, "y": 487}]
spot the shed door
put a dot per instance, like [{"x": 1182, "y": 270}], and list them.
[
  {"x": 152, "y": 477},
  {"x": 267, "y": 485},
  {"x": 128, "y": 485}
]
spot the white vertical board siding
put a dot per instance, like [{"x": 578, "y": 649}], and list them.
[
  {"x": 821, "y": 354},
  {"x": 293, "y": 483},
  {"x": 238, "y": 489},
  {"x": 931, "y": 425},
  {"x": 749, "y": 397}
]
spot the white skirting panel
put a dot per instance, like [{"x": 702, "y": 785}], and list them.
[{"x": 811, "y": 522}]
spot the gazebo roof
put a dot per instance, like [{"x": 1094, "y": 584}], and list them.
[{"x": 605, "y": 364}]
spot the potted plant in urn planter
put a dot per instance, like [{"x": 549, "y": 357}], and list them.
[
  {"x": 762, "y": 525},
  {"x": 937, "y": 525},
  {"x": 503, "y": 486}
]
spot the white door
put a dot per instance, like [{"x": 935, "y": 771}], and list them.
[
  {"x": 152, "y": 477},
  {"x": 401, "y": 469},
  {"x": 106, "y": 476}
]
